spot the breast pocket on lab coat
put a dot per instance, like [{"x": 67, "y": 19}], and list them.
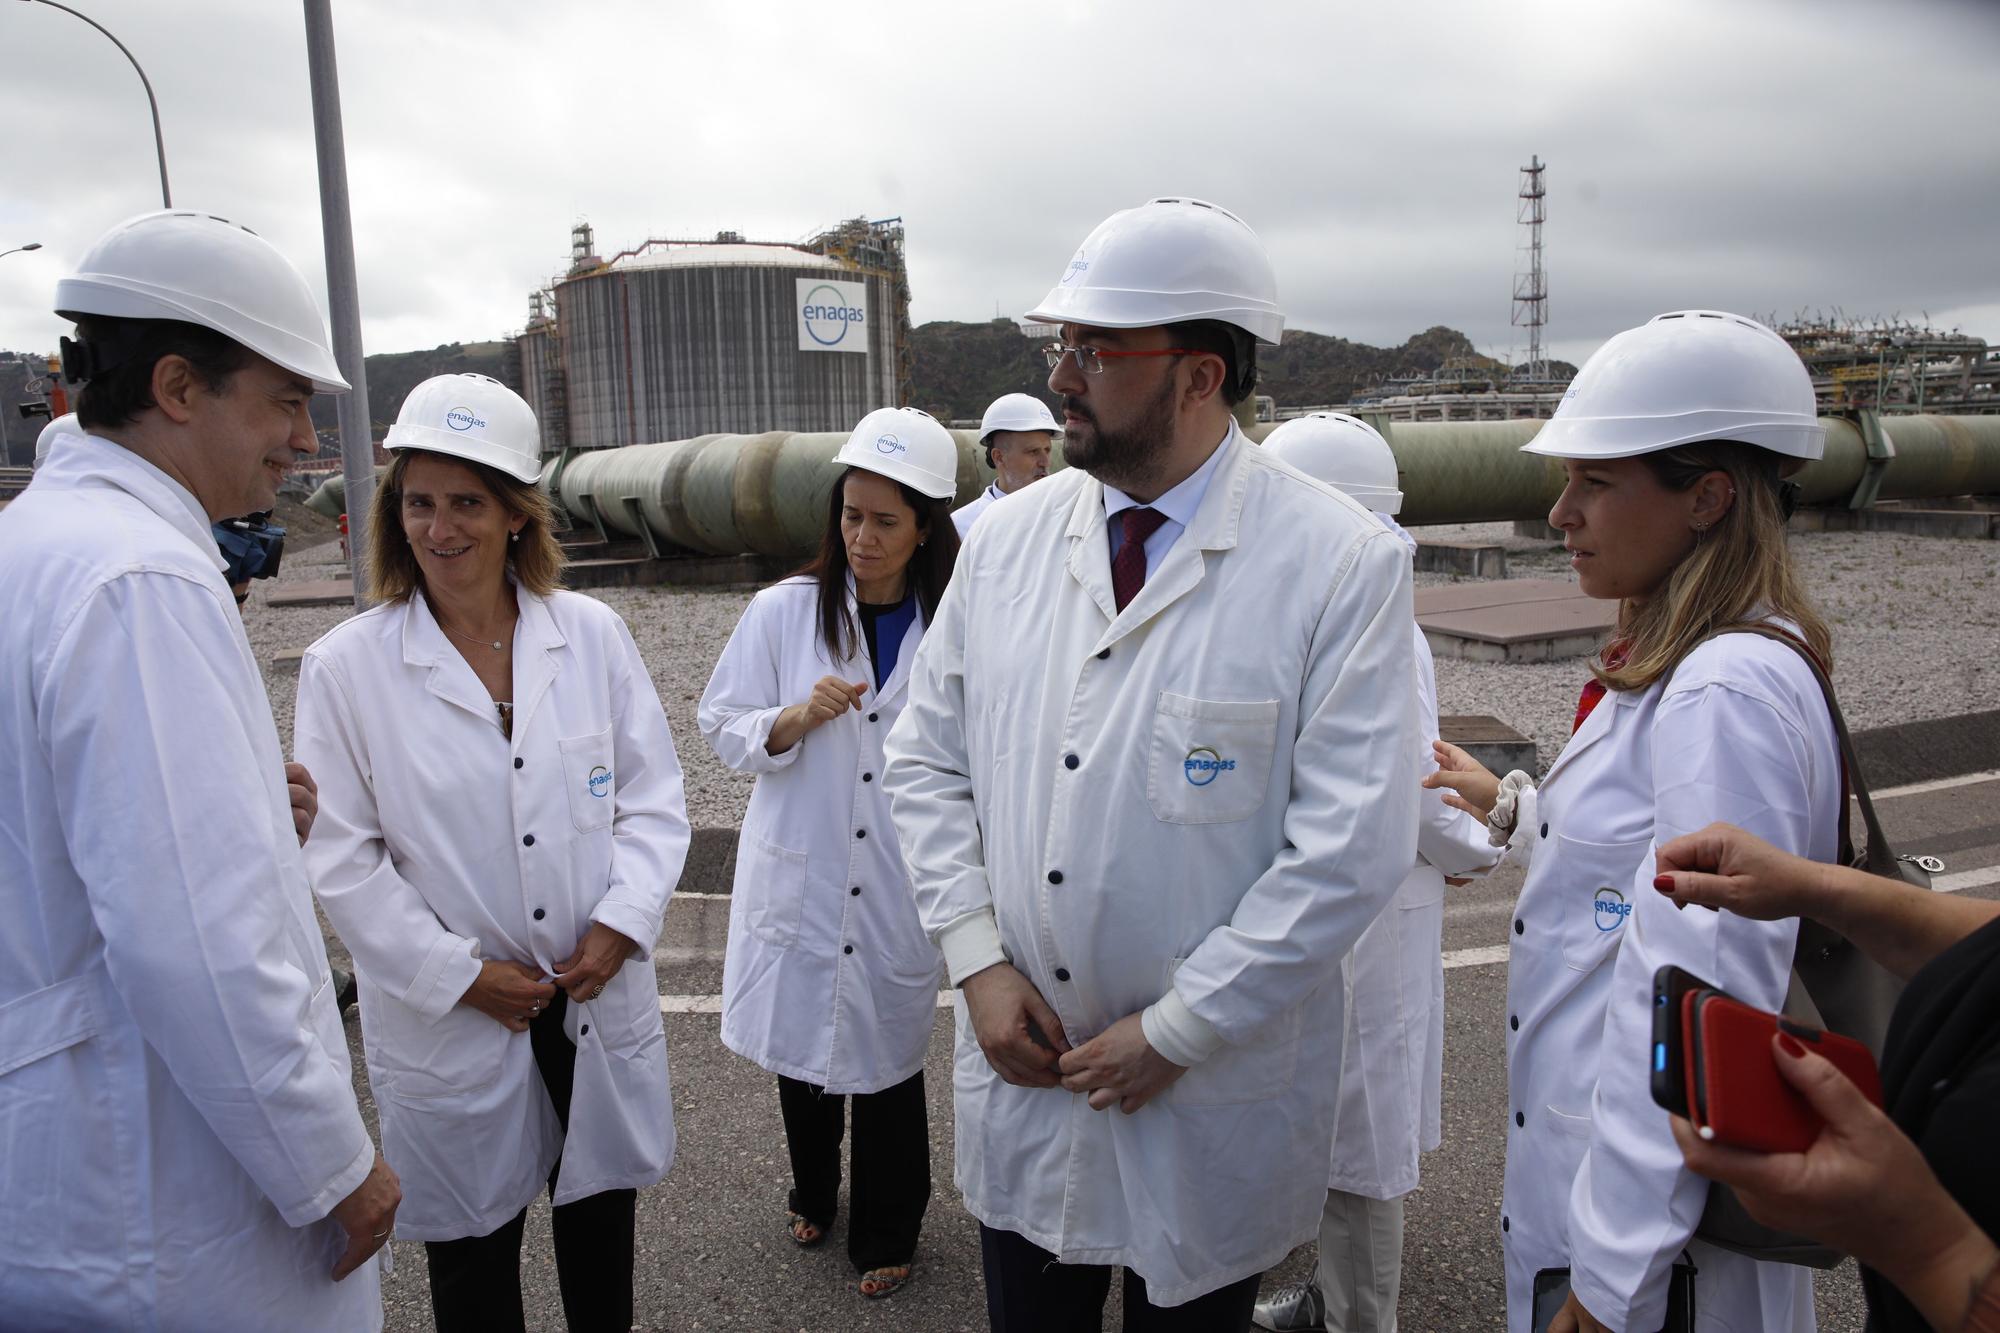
[
  {"x": 1595, "y": 883},
  {"x": 1211, "y": 760},
  {"x": 1252, "y": 1071},
  {"x": 771, "y": 886},
  {"x": 590, "y": 780}
]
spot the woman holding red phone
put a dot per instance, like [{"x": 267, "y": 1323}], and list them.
[
  {"x": 1914, "y": 1193},
  {"x": 1673, "y": 440}
]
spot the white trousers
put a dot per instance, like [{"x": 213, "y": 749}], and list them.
[{"x": 1360, "y": 1262}]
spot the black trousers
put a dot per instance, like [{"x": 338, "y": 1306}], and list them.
[
  {"x": 476, "y": 1282},
  {"x": 1028, "y": 1291},
  {"x": 892, "y": 1165}
]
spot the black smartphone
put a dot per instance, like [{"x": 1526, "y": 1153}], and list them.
[{"x": 1669, "y": 1069}]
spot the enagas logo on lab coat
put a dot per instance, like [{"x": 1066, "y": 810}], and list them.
[
  {"x": 1203, "y": 765},
  {"x": 1612, "y": 909},
  {"x": 600, "y": 782}
]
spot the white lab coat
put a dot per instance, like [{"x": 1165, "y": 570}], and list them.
[
  {"x": 963, "y": 517},
  {"x": 1392, "y": 1062},
  {"x": 1594, "y": 1180},
  {"x": 440, "y": 843},
  {"x": 829, "y": 977},
  {"x": 1192, "y": 808},
  {"x": 176, "y": 1104}
]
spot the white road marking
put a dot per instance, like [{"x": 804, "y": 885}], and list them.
[
  {"x": 1484, "y": 956},
  {"x": 712, "y": 1004},
  {"x": 1961, "y": 880},
  {"x": 1487, "y": 955},
  {"x": 1941, "y": 784}
]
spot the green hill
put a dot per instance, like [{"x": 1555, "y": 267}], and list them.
[
  {"x": 959, "y": 368},
  {"x": 391, "y": 376}
]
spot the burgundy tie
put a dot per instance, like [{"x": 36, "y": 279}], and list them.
[{"x": 1128, "y": 567}]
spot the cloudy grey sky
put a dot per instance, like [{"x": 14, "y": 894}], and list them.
[{"x": 1755, "y": 155}]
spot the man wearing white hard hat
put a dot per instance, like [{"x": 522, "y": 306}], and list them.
[
  {"x": 1018, "y": 435},
  {"x": 183, "y": 1144},
  {"x": 501, "y": 825},
  {"x": 1155, "y": 778},
  {"x": 1392, "y": 1064},
  {"x": 829, "y": 982}
]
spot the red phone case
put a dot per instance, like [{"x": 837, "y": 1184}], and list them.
[{"x": 1736, "y": 1089}]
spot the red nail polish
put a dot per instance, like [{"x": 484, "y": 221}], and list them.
[
  {"x": 1790, "y": 1046},
  {"x": 1664, "y": 883}
]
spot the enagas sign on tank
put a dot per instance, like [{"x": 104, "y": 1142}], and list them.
[{"x": 833, "y": 316}]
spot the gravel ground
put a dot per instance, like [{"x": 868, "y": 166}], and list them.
[{"x": 1916, "y": 622}]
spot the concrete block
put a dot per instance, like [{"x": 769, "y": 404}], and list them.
[
  {"x": 1513, "y": 620},
  {"x": 1490, "y": 741},
  {"x": 711, "y": 862},
  {"x": 1480, "y": 560},
  {"x": 287, "y": 659},
  {"x": 1940, "y": 747},
  {"x": 320, "y": 592},
  {"x": 1539, "y": 530}
]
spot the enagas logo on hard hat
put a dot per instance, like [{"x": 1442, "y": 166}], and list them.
[
  {"x": 828, "y": 316},
  {"x": 464, "y": 418},
  {"x": 890, "y": 443},
  {"x": 1077, "y": 268}
]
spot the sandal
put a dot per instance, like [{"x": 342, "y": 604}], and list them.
[
  {"x": 799, "y": 1223},
  {"x": 877, "y": 1283}
]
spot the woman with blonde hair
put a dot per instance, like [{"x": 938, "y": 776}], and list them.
[
  {"x": 1674, "y": 440},
  {"x": 500, "y": 826}
]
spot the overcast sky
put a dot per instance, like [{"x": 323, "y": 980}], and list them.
[{"x": 1757, "y": 155}]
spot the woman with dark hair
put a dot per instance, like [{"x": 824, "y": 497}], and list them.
[
  {"x": 500, "y": 827},
  {"x": 830, "y": 982}
]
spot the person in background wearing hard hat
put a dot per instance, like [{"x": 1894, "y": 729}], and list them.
[
  {"x": 501, "y": 826},
  {"x": 1157, "y": 774},
  {"x": 1392, "y": 1065},
  {"x": 59, "y": 429},
  {"x": 829, "y": 981},
  {"x": 1018, "y": 435},
  {"x": 1674, "y": 438},
  {"x": 184, "y": 1149}
]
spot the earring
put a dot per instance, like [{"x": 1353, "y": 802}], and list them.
[
  {"x": 514, "y": 537},
  {"x": 1700, "y": 528}
]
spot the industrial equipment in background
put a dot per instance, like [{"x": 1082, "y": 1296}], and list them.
[{"x": 673, "y": 338}]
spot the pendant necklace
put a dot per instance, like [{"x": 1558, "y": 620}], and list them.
[{"x": 496, "y": 645}]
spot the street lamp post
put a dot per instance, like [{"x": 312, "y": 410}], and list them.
[
  {"x": 357, "y": 448},
  {"x": 31, "y": 245},
  {"x": 159, "y": 142}
]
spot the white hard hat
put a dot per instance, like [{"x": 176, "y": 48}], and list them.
[
  {"x": 60, "y": 428},
  {"x": 1682, "y": 378},
  {"x": 1345, "y": 452},
  {"x": 1017, "y": 411},
  {"x": 206, "y": 270},
  {"x": 908, "y": 446},
  {"x": 1166, "y": 261},
  {"x": 474, "y": 417}
]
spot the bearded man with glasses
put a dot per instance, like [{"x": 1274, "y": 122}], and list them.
[{"x": 1155, "y": 776}]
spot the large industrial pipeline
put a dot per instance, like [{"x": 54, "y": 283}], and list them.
[{"x": 766, "y": 494}]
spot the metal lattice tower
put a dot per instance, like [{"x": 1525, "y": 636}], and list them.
[{"x": 1531, "y": 288}]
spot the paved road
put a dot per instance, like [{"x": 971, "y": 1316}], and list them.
[{"x": 714, "y": 1255}]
